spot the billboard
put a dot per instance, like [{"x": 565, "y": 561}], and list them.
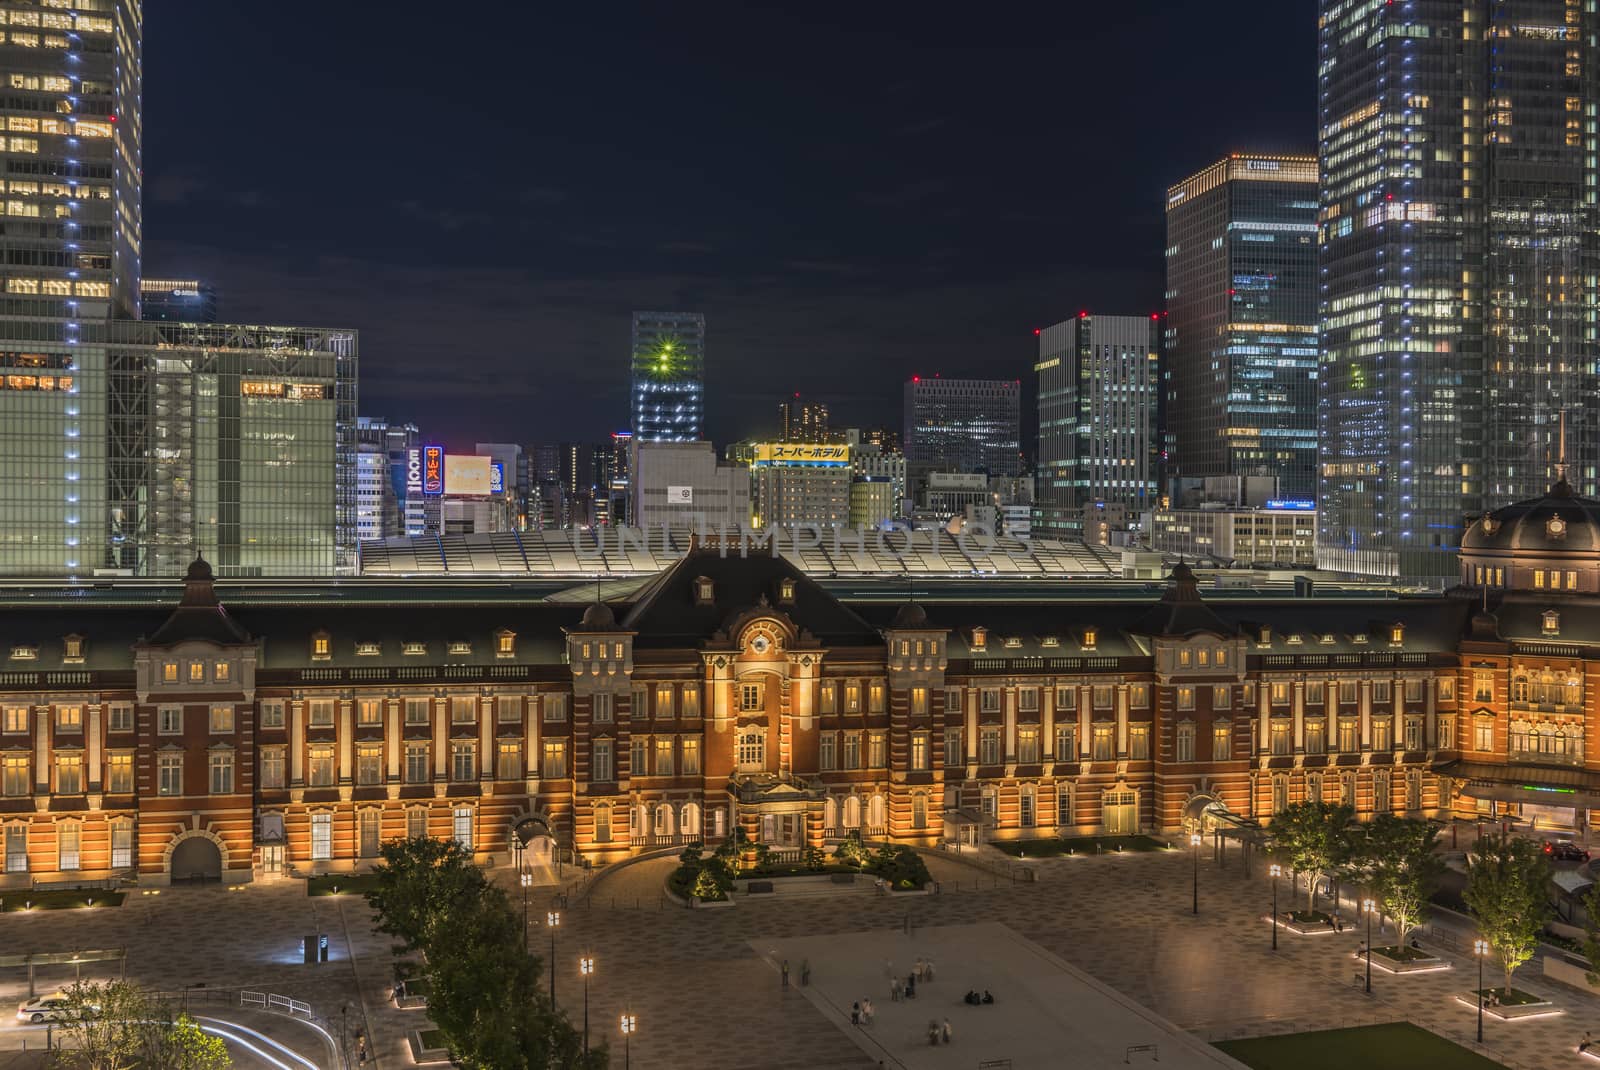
[
  {"x": 413, "y": 472},
  {"x": 1299, "y": 505},
  {"x": 497, "y": 477},
  {"x": 466, "y": 476},
  {"x": 433, "y": 470},
  {"x": 809, "y": 454},
  {"x": 680, "y": 495}
]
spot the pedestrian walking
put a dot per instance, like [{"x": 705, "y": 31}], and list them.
[
  {"x": 855, "y": 1013},
  {"x": 927, "y": 970},
  {"x": 946, "y": 1030},
  {"x": 911, "y": 986},
  {"x": 866, "y": 1011},
  {"x": 785, "y": 973},
  {"x": 805, "y": 972},
  {"x": 933, "y": 1031},
  {"x": 894, "y": 990},
  {"x": 920, "y": 975}
]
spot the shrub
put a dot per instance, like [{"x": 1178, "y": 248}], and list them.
[
  {"x": 710, "y": 886},
  {"x": 852, "y": 851},
  {"x": 816, "y": 859}
]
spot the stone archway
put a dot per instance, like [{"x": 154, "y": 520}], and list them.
[
  {"x": 198, "y": 855},
  {"x": 533, "y": 841}
]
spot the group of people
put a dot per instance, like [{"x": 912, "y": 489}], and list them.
[
  {"x": 973, "y": 998},
  {"x": 907, "y": 988},
  {"x": 861, "y": 1012},
  {"x": 938, "y": 1031}
]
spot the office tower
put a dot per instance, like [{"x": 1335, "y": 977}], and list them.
[
  {"x": 70, "y": 250},
  {"x": 800, "y": 483},
  {"x": 1457, "y": 269},
  {"x": 1097, "y": 414},
  {"x": 681, "y": 484},
  {"x": 669, "y": 358},
  {"x": 177, "y": 300},
  {"x": 871, "y": 462},
  {"x": 376, "y": 508},
  {"x": 802, "y": 421},
  {"x": 963, "y": 425},
  {"x": 1241, "y": 327},
  {"x": 621, "y": 478}
]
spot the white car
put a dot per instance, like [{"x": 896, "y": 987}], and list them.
[{"x": 51, "y": 1008}]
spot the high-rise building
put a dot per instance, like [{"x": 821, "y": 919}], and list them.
[
  {"x": 963, "y": 425},
  {"x": 669, "y": 372},
  {"x": 1458, "y": 269},
  {"x": 887, "y": 439},
  {"x": 621, "y": 478},
  {"x": 1240, "y": 340},
  {"x": 680, "y": 484},
  {"x": 177, "y": 300},
  {"x": 70, "y": 251},
  {"x": 377, "y": 511},
  {"x": 869, "y": 461},
  {"x": 1097, "y": 418},
  {"x": 802, "y": 421},
  {"x": 800, "y": 483}
]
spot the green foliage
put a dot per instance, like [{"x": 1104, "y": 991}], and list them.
[
  {"x": 485, "y": 994},
  {"x": 901, "y": 866},
  {"x": 711, "y": 885},
  {"x": 1591, "y": 931},
  {"x": 1396, "y": 856},
  {"x": 851, "y": 851},
  {"x": 185, "y": 1046},
  {"x": 690, "y": 855},
  {"x": 117, "y": 1026},
  {"x": 1313, "y": 838},
  {"x": 1506, "y": 879},
  {"x": 816, "y": 859}
]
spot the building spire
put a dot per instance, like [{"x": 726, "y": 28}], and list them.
[{"x": 1562, "y": 489}]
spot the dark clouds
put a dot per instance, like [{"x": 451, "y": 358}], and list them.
[{"x": 850, "y": 197}]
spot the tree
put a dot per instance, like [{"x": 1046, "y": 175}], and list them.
[
  {"x": 1591, "y": 931},
  {"x": 101, "y": 1024},
  {"x": 183, "y": 1045},
  {"x": 1506, "y": 879},
  {"x": 418, "y": 882},
  {"x": 1313, "y": 837},
  {"x": 1397, "y": 858}
]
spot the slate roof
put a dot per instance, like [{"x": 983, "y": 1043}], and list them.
[{"x": 199, "y": 615}]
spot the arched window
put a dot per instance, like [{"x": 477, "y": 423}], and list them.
[
  {"x": 1519, "y": 687},
  {"x": 1574, "y": 689},
  {"x": 830, "y": 814},
  {"x": 877, "y": 812},
  {"x": 751, "y": 751},
  {"x": 852, "y": 812},
  {"x": 689, "y": 821},
  {"x": 664, "y": 822}
]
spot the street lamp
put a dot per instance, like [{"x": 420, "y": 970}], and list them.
[
  {"x": 586, "y": 967},
  {"x": 526, "y": 880},
  {"x": 552, "y": 920},
  {"x": 1480, "y": 948},
  {"x": 630, "y": 1024},
  {"x": 1194, "y": 841},
  {"x": 1368, "y": 907},
  {"x": 1275, "y": 871}
]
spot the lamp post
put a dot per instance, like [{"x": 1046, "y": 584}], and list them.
[
  {"x": 1480, "y": 948},
  {"x": 1368, "y": 907},
  {"x": 1275, "y": 871},
  {"x": 630, "y": 1024},
  {"x": 552, "y": 921},
  {"x": 526, "y": 880},
  {"x": 1194, "y": 841},
  {"x": 586, "y": 967}
]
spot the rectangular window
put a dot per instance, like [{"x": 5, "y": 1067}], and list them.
[
  {"x": 69, "y": 774},
  {"x": 1382, "y": 733},
  {"x": 121, "y": 845},
  {"x": 369, "y": 712},
  {"x": 220, "y": 672},
  {"x": 691, "y": 756},
  {"x": 120, "y": 719},
  {"x": 1349, "y": 735},
  {"x": 169, "y": 721},
  {"x": 603, "y": 766},
  {"x": 461, "y": 826},
  {"x": 825, "y": 751},
  {"x": 1102, "y": 696},
  {"x": 16, "y": 719},
  {"x": 1183, "y": 748},
  {"x": 169, "y": 774},
  {"x": 1279, "y": 692},
  {"x": 1483, "y": 735},
  {"x": 639, "y": 701},
  {"x": 321, "y": 837},
  {"x": 1316, "y": 693},
  {"x": 369, "y": 764},
  {"x": 69, "y": 718},
  {"x": 417, "y": 710},
  {"x": 1483, "y": 687},
  {"x": 852, "y": 697},
  {"x": 463, "y": 760},
  {"x": 828, "y": 698},
  {"x": 1414, "y": 690},
  {"x": 602, "y": 824},
  {"x": 750, "y": 697},
  {"x": 555, "y": 708},
  {"x": 877, "y": 751},
  {"x": 664, "y": 701},
  {"x": 1447, "y": 689},
  {"x": 463, "y": 709},
  {"x": 555, "y": 759},
  {"x": 272, "y": 714},
  {"x": 600, "y": 707},
  {"x": 1027, "y": 745},
  {"x": 1279, "y": 736},
  {"x": 1316, "y": 737},
  {"x": 639, "y": 756},
  {"x": 169, "y": 672},
  {"x": 15, "y": 779},
  {"x": 875, "y": 697},
  {"x": 1025, "y": 809},
  {"x": 1185, "y": 698},
  {"x": 370, "y": 832},
  {"x": 1139, "y": 742},
  {"x": 197, "y": 672},
  {"x": 1221, "y": 697},
  {"x": 320, "y": 713},
  {"x": 16, "y": 848},
  {"x": 1027, "y": 699},
  {"x": 1413, "y": 731},
  {"x": 222, "y": 719},
  {"x": 1139, "y": 696},
  {"x": 1104, "y": 743},
  {"x": 1066, "y": 742},
  {"x": 663, "y": 766},
  {"x": 852, "y": 750},
  {"x": 691, "y": 701},
  {"x": 221, "y": 765},
  {"x": 989, "y": 700},
  {"x": 1382, "y": 692},
  {"x": 119, "y": 774},
  {"x": 1066, "y": 698},
  {"x": 321, "y": 768},
  {"x": 416, "y": 823},
  {"x": 508, "y": 709},
  {"x": 1221, "y": 741},
  {"x": 954, "y": 758},
  {"x": 989, "y": 746},
  {"x": 919, "y": 701},
  {"x": 416, "y": 763},
  {"x": 272, "y": 767},
  {"x": 1349, "y": 692},
  {"x": 68, "y": 841},
  {"x": 508, "y": 762},
  {"x": 919, "y": 751}
]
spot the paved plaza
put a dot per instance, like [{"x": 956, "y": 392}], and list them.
[{"x": 706, "y": 997}]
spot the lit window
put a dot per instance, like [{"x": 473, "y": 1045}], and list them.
[
  {"x": 321, "y": 837},
  {"x": 321, "y": 646},
  {"x": 69, "y": 718},
  {"x": 169, "y": 774},
  {"x": 222, "y": 718},
  {"x": 221, "y": 772},
  {"x": 169, "y": 721}
]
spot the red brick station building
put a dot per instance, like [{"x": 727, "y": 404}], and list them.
[{"x": 295, "y": 729}]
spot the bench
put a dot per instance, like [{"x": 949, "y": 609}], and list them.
[{"x": 757, "y": 887}]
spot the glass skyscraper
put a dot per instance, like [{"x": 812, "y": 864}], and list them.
[
  {"x": 177, "y": 300},
  {"x": 1241, "y": 326},
  {"x": 669, "y": 375},
  {"x": 963, "y": 425},
  {"x": 1458, "y": 269}
]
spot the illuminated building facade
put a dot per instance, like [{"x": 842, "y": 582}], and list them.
[
  {"x": 1098, "y": 382},
  {"x": 71, "y": 245},
  {"x": 242, "y": 734},
  {"x": 177, "y": 300},
  {"x": 802, "y": 421},
  {"x": 800, "y": 483},
  {"x": 669, "y": 376},
  {"x": 1457, "y": 268},
  {"x": 1241, "y": 325},
  {"x": 963, "y": 425}
]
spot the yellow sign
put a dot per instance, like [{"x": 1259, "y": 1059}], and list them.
[{"x": 800, "y": 453}]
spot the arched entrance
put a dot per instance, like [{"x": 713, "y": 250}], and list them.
[
  {"x": 532, "y": 843},
  {"x": 1204, "y": 811},
  {"x": 196, "y": 859}
]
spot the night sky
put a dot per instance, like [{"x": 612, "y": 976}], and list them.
[{"x": 850, "y": 196}]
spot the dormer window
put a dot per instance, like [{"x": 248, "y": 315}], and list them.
[
  {"x": 1326, "y": 638},
  {"x": 369, "y": 649},
  {"x": 414, "y": 649},
  {"x": 1359, "y": 639},
  {"x": 1050, "y": 641},
  {"x": 22, "y": 652},
  {"x": 1397, "y": 634},
  {"x": 786, "y": 591},
  {"x": 1294, "y": 639},
  {"x": 460, "y": 648},
  {"x": 1552, "y": 622},
  {"x": 1263, "y": 636},
  {"x": 1090, "y": 637},
  {"x": 72, "y": 649},
  {"x": 321, "y": 646},
  {"x": 505, "y": 644},
  {"x": 1013, "y": 642},
  {"x": 704, "y": 591},
  {"x": 980, "y": 639}
]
